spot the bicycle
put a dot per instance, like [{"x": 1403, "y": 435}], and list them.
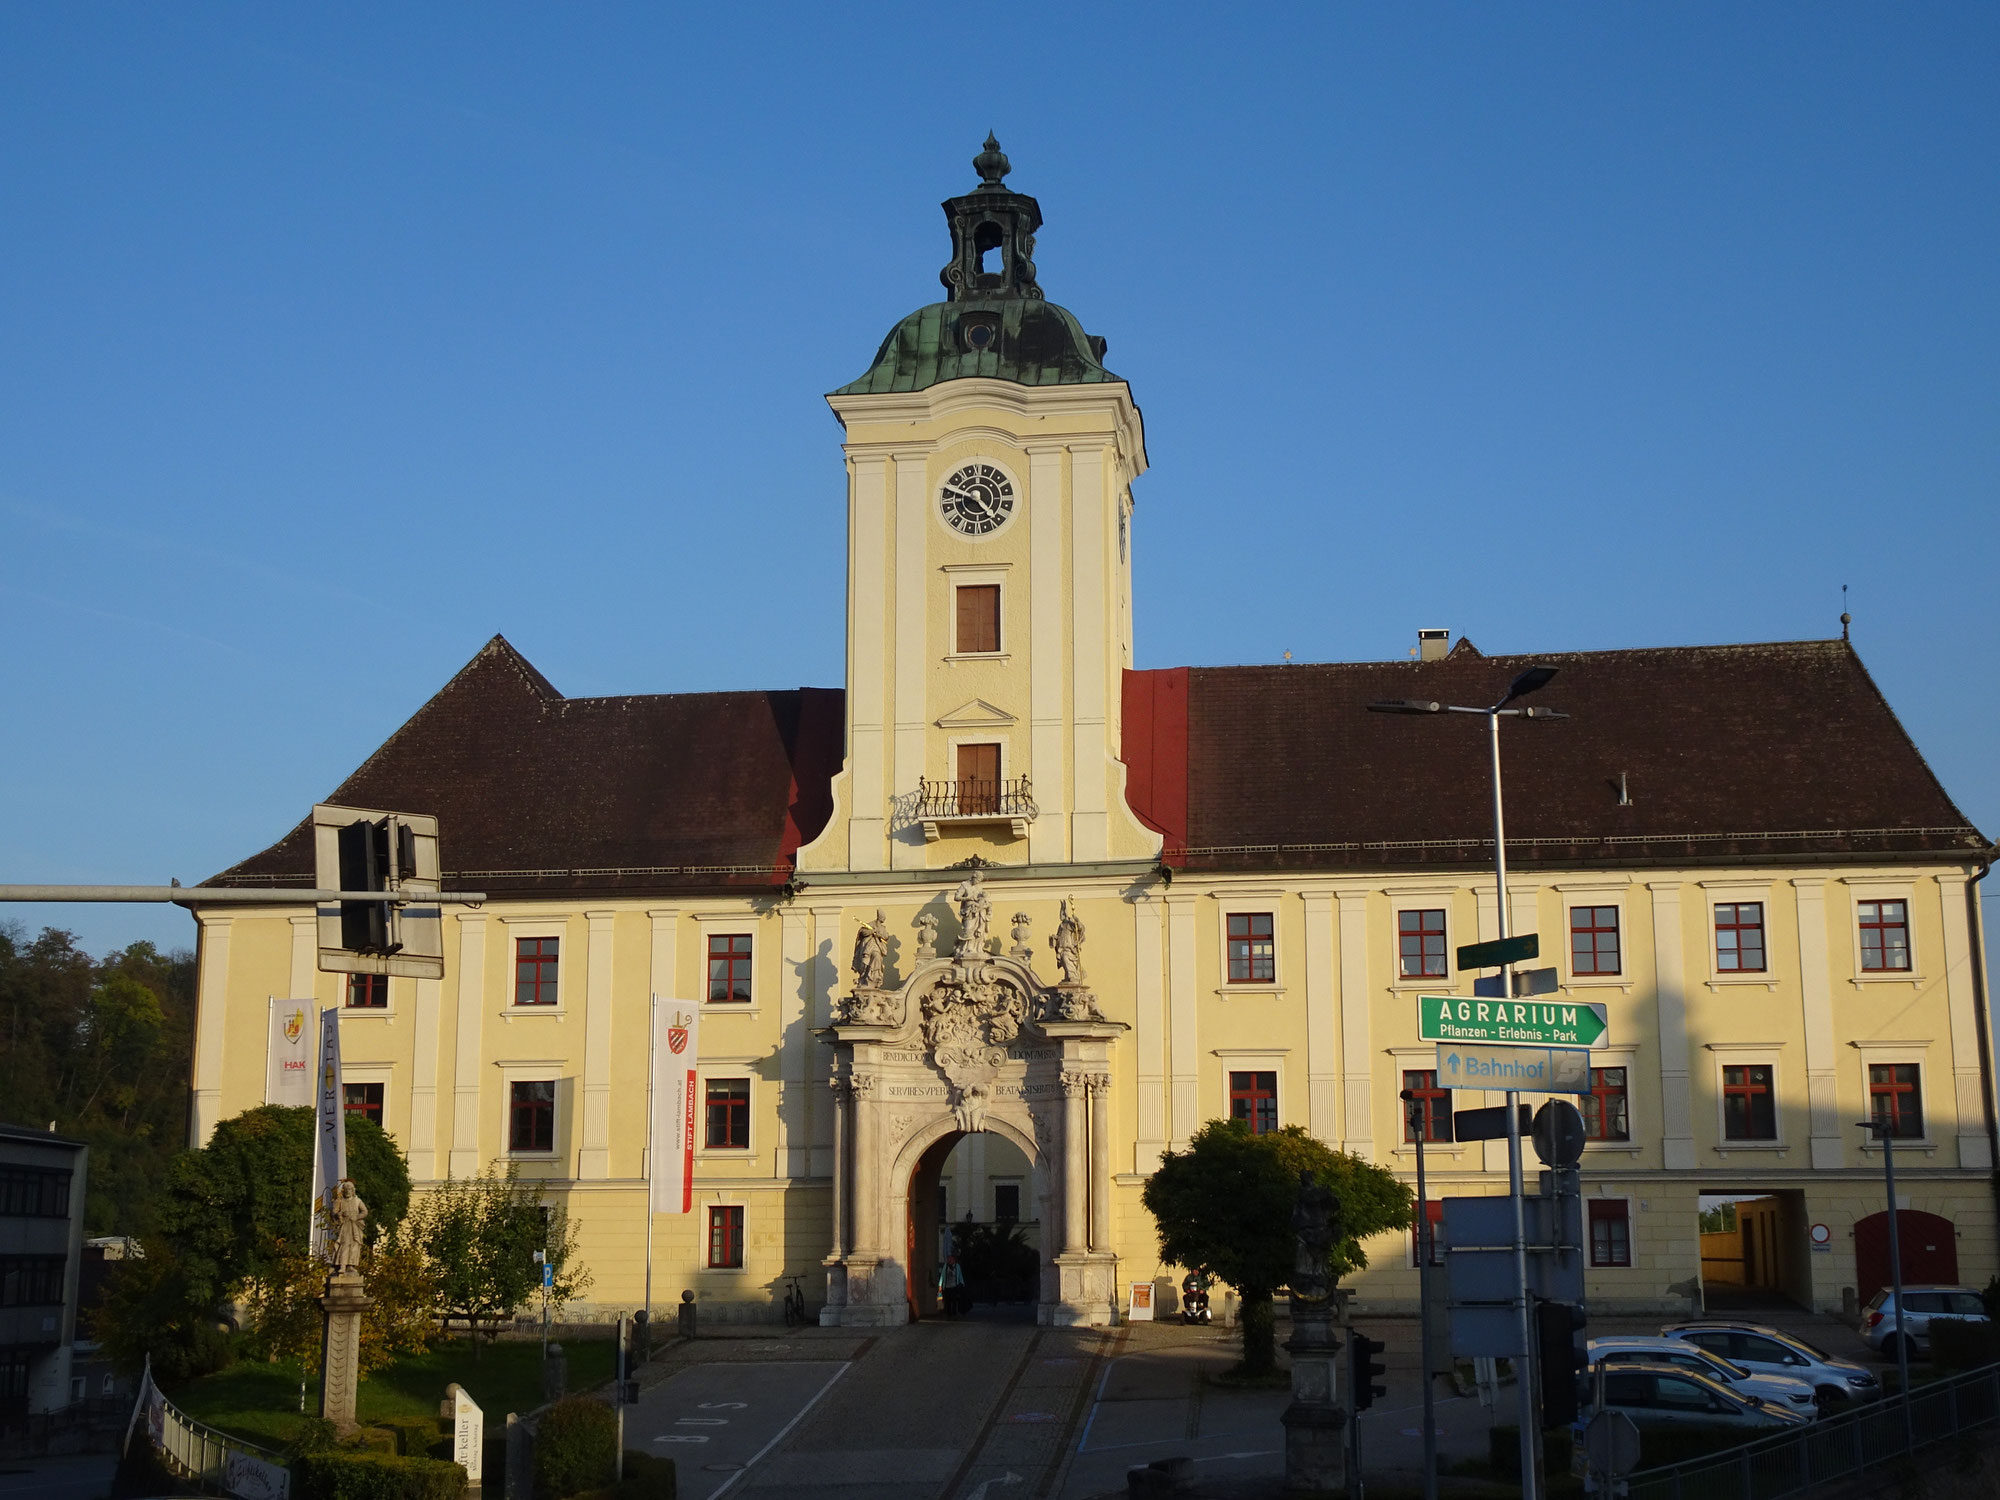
[{"x": 795, "y": 1305}]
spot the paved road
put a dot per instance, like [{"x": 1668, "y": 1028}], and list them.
[
  {"x": 86, "y": 1478},
  {"x": 714, "y": 1420}
]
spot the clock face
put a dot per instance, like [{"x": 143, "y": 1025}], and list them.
[{"x": 976, "y": 500}]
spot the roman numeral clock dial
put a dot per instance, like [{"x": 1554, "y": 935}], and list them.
[{"x": 976, "y": 500}]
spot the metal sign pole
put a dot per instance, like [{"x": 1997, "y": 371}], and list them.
[{"x": 1424, "y": 1317}]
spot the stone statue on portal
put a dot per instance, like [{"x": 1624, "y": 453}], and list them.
[
  {"x": 1315, "y": 1220},
  {"x": 927, "y": 926},
  {"x": 975, "y": 912},
  {"x": 1067, "y": 940},
  {"x": 349, "y": 1215},
  {"x": 871, "y": 953}
]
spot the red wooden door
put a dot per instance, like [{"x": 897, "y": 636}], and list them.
[{"x": 1930, "y": 1250}]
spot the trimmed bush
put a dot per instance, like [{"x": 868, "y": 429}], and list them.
[
  {"x": 1963, "y": 1343},
  {"x": 576, "y": 1448},
  {"x": 375, "y": 1476},
  {"x": 415, "y": 1437}
]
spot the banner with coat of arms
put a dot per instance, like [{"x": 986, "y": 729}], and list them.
[
  {"x": 288, "y": 1069},
  {"x": 676, "y": 1110}
]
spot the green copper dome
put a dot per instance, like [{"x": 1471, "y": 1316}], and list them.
[{"x": 995, "y": 323}]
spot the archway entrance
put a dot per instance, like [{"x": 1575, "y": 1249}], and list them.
[
  {"x": 1753, "y": 1250},
  {"x": 1929, "y": 1245},
  {"x": 976, "y": 1196}
]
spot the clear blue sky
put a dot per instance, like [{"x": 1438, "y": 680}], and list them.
[{"x": 334, "y": 343}]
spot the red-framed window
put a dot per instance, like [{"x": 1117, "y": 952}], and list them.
[
  {"x": 727, "y": 1102},
  {"x": 1610, "y": 1231},
  {"x": 1253, "y": 948},
  {"x": 1427, "y": 1114},
  {"x": 1895, "y": 1098},
  {"x": 1749, "y": 1105},
  {"x": 1885, "y": 936},
  {"x": 535, "y": 970},
  {"x": 1593, "y": 940},
  {"x": 1420, "y": 940},
  {"x": 531, "y": 1115},
  {"x": 1607, "y": 1114},
  {"x": 728, "y": 967},
  {"x": 1253, "y": 1099},
  {"x": 1739, "y": 937},
  {"x": 725, "y": 1236},
  {"x": 1434, "y": 1213},
  {"x": 362, "y": 1099},
  {"x": 367, "y": 991}
]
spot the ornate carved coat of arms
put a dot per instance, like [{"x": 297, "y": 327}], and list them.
[{"x": 970, "y": 1017}]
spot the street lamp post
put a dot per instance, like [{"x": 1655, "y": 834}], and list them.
[
  {"x": 1885, "y": 1132},
  {"x": 1532, "y": 680},
  {"x": 1413, "y": 1109}
]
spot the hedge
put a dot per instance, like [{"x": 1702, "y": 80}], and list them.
[
  {"x": 375, "y": 1476},
  {"x": 1964, "y": 1343},
  {"x": 646, "y": 1478},
  {"x": 576, "y": 1449}
]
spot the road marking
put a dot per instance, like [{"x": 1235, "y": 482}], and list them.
[
  {"x": 783, "y": 1432},
  {"x": 686, "y": 1437},
  {"x": 1010, "y": 1477},
  {"x": 701, "y": 1421},
  {"x": 1225, "y": 1457}
]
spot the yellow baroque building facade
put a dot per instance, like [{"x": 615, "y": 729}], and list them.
[{"x": 990, "y": 929}]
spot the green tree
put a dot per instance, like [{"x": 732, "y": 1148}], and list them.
[
  {"x": 1226, "y": 1202},
  {"x": 480, "y": 1235}
]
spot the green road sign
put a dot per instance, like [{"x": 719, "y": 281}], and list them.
[
  {"x": 1500, "y": 951},
  {"x": 1510, "y": 1023}
]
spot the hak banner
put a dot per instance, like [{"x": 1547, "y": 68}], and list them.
[
  {"x": 676, "y": 1111},
  {"x": 288, "y": 1070},
  {"x": 329, "y": 1134}
]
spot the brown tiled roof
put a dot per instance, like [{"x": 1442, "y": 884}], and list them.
[
  {"x": 1729, "y": 753},
  {"x": 537, "y": 792}
]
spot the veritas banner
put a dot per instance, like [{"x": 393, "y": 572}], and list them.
[
  {"x": 288, "y": 1069},
  {"x": 329, "y": 1133},
  {"x": 676, "y": 1111}
]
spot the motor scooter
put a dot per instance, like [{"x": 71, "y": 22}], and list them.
[{"x": 1194, "y": 1298}]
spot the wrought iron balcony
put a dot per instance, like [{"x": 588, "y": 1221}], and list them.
[{"x": 970, "y": 799}]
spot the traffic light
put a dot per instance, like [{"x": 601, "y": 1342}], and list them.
[
  {"x": 374, "y": 854},
  {"x": 358, "y": 849},
  {"x": 1363, "y": 1367},
  {"x": 1563, "y": 1358}
]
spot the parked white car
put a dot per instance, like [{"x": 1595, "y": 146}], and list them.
[
  {"x": 1772, "y": 1351},
  {"x": 1780, "y": 1390},
  {"x": 1883, "y": 1322}
]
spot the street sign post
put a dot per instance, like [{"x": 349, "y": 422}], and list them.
[
  {"x": 1531, "y": 1070},
  {"x": 1505, "y": 950},
  {"x": 1526, "y": 982},
  {"x": 1510, "y": 1023}
]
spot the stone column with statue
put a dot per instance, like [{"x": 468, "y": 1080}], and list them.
[
  {"x": 1315, "y": 1423},
  {"x": 345, "y": 1301}
]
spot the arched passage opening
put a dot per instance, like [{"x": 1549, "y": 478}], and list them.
[{"x": 975, "y": 1195}]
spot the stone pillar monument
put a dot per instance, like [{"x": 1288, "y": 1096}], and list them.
[
  {"x": 1315, "y": 1436},
  {"x": 345, "y": 1301}
]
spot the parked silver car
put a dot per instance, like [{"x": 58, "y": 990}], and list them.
[
  {"x": 1782, "y": 1390},
  {"x": 1666, "y": 1396},
  {"x": 1772, "y": 1351},
  {"x": 1883, "y": 1322}
]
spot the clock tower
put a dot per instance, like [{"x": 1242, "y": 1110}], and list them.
[{"x": 990, "y": 460}]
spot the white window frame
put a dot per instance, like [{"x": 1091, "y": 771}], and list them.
[
  {"x": 1748, "y": 1054},
  {"x": 723, "y": 1200},
  {"x": 720, "y": 1068},
  {"x": 1905, "y": 891},
  {"x": 960, "y": 575},
  {"x": 566, "y": 946},
  {"x": 1899, "y": 1052},
  {"x": 1252, "y": 1060},
  {"x": 538, "y": 1070},
  {"x": 731, "y": 924},
  {"x": 1250, "y": 903},
  {"x": 382, "y": 1073},
  {"x": 1429, "y": 899},
  {"x": 1733, "y": 893},
  {"x": 1574, "y": 896},
  {"x": 384, "y": 1012},
  {"x": 1631, "y": 1230}
]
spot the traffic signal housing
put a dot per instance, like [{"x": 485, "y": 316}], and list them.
[
  {"x": 1563, "y": 1356},
  {"x": 359, "y": 849},
  {"x": 1363, "y": 1367}
]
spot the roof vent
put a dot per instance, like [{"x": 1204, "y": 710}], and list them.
[{"x": 1433, "y": 644}]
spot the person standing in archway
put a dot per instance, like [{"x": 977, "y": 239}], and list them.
[{"x": 951, "y": 1287}]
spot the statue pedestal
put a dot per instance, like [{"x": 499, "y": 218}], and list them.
[
  {"x": 340, "y": 1355},
  {"x": 1315, "y": 1423}
]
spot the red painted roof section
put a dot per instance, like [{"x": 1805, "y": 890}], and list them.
[
  {"x": 1729, "y": 753},
  {"x": 537, "y": 792}
]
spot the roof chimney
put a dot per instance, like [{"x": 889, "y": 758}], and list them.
[{"x": 1433, "y": 644}]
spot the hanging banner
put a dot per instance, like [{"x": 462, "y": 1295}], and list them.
[
  {"x": 329, "y": 1134},
  {"x": 288, "y": 1066},
  {"x": 676, "y": 1111}
]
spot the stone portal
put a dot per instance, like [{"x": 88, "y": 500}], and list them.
[{"x": 971, "y": 1042}]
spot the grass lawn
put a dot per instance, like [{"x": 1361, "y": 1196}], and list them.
[{"x": 260, "y": 1401}]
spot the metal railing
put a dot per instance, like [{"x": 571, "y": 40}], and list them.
[
  {"x": 975, "y": 797},
  {"x": 211, "y": 1459},
  {"x": 1835, "y": 1447}
]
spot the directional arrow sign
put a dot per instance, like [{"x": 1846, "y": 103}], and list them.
[
  {"x": 1509, "y": 1023},
  {"x": 1509, "y": 950},
  {"x": 1528, "y": 1070}
]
